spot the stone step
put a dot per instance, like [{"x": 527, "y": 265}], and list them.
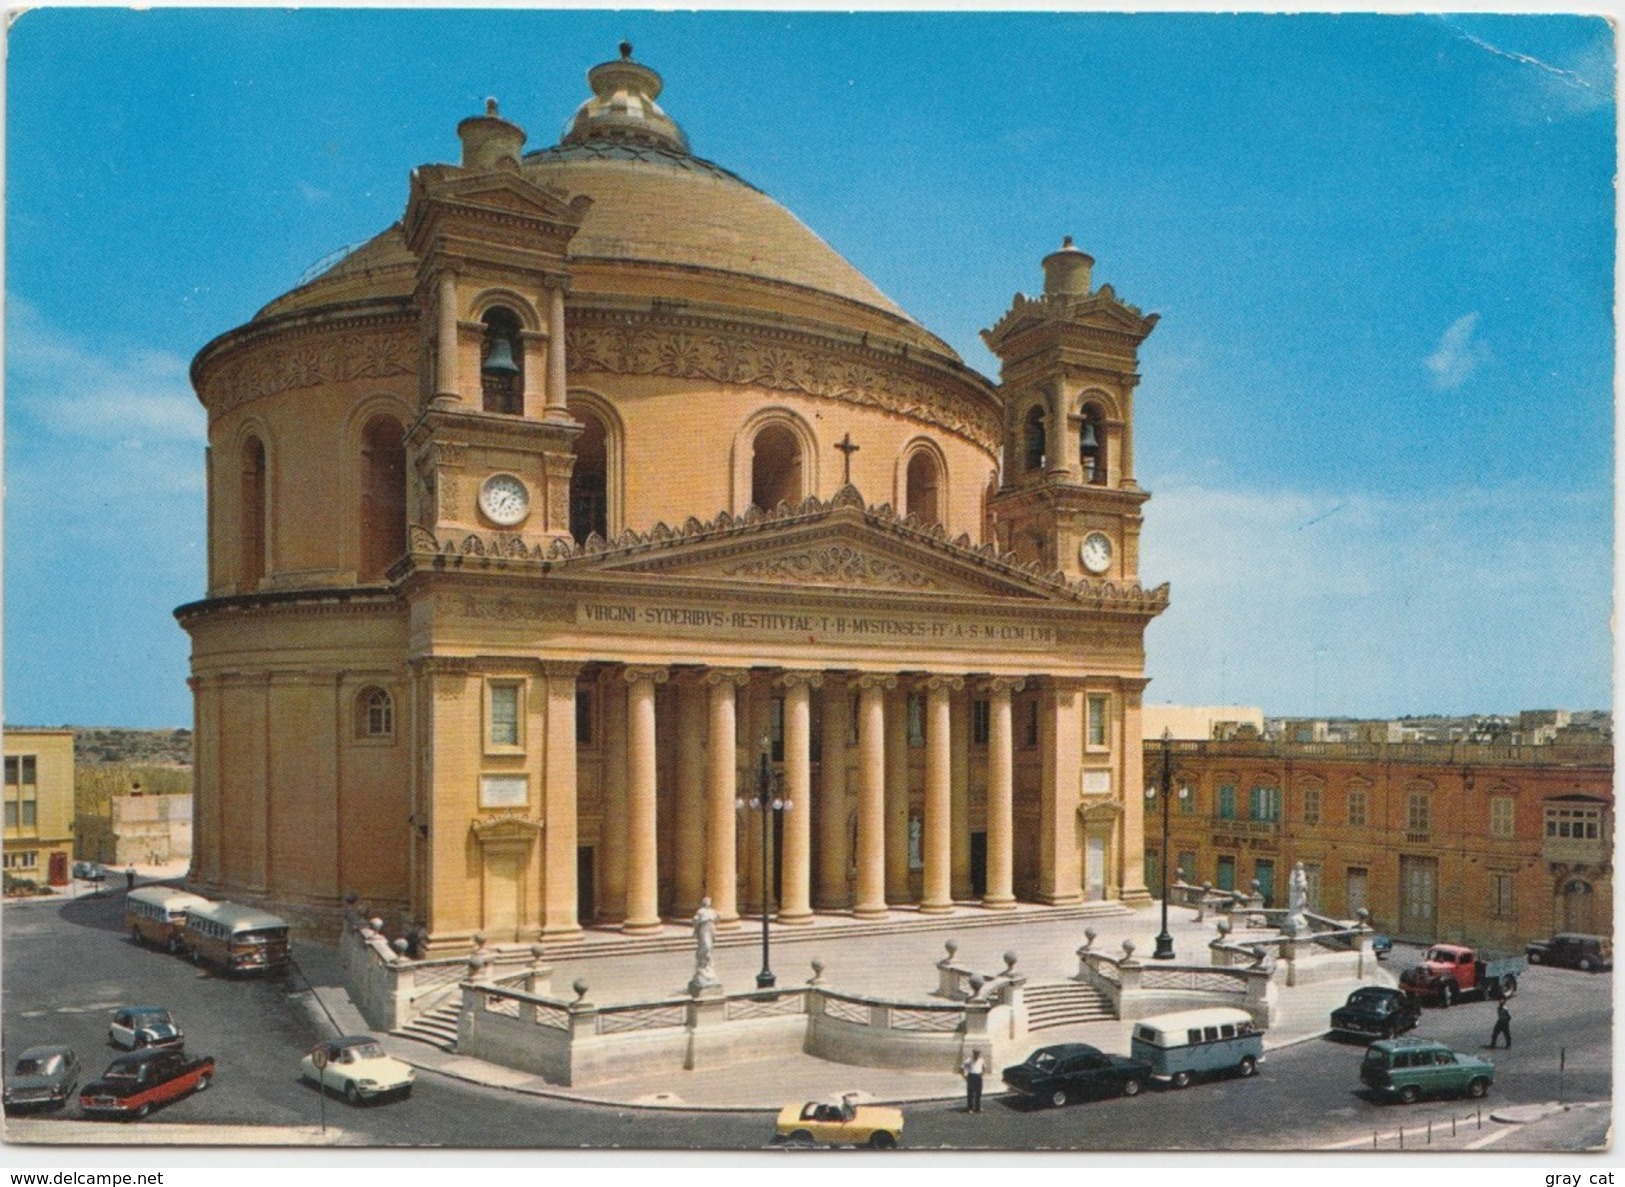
[
  {"x": 438, "y": 1027},
  {"x": 1064, "y": 1003}
]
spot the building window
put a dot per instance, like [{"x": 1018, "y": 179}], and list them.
[
  {"x": 1227, "y": 801},
  {"x": 916, "y": 719},
  {"x": 1187, "y": 867},
  {"x": 22, "y": 792},
  {"x": 383, "y": 496},
  {"x": 1419, "y": 814},
  {"x": 1264, "y": 803},
  {"x": 1092, "y": 446},
  {"x": 1501, "y": 815},
  {"x": 775, "y": 469},
  {"x": 252, "y": 513},
  {"x": 502, "y": 360},
  {"x": 924, "y": 482},
  {"x": 980, "y": 722},
  {"x": 1033, "y": 443},
  {"x": 377, "y": 716},
  {"x": 1099, "y": 722},
  {"x": 584, "y": 714},
  {"x": 1185, "y": 801},
  {"x": 1226, "y": 879},
  {"x": 1357, "y": 807},
  {"x": 1573, "y": 824},
  {"x": 1311, "y": 805},
  {"x": 504, "y": 714},
  {"x": 589, "y": 479},
  {"x": 1501, "y": 896},
  {"x": 22, "y": 859}
]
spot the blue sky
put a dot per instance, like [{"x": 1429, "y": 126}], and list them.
[{"x": 1376, "y": 417}]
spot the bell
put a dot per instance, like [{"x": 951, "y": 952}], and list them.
[
  {"x": 1090, "y": 441},
  {"x": 500, "y": 359}
]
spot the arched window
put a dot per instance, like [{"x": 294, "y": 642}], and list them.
[
  {"x": 775, "y": 470},
  {"x": 1092, "y": 446},
  {"x": 375, "y": 714},
  {"x": 251, "y": 529},
  {"x": 383, "y": 496},
  {"x": 1033, "y": 438},
  {"x": 923, "y": 482},
  {"x": 502, "y": 377},
  {"x": 589, "y": 482}
]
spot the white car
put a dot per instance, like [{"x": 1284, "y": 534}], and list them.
[
  {"x": 134, "y": 1027},
  {"x": 356, "y": 1066}
]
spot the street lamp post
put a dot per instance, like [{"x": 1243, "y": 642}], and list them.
[
  {"x": 768, "y": 804},
  {"x": 1165, "y": 942}
]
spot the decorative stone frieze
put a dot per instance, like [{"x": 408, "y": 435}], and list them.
[{"x": 376, "y": 347}]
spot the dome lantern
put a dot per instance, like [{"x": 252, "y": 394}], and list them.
[
  {"x": 1066, "y": 272},
  {"x": 489, "y": 139},
  {"x": 623, "y": 108}
]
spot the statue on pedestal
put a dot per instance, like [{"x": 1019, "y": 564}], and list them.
[
  {"x": 1297, "y": 923},
  {"x": 705, "y": 938}
]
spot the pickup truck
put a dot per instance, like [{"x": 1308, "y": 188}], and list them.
[{"x": 1452, "y": 972}]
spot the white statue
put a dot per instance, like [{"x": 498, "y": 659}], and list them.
[
  {"x": 705, "y": 938},
  {"x": 1297, "y": 901}
]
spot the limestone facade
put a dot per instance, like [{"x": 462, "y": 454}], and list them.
[
  {"x": 38, "y": 836},
  {"x": 539, "y": 520}
]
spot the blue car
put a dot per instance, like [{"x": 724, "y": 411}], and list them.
[{"x": 1382, "y": 946}]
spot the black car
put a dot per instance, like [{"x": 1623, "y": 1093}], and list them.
[
  {"x": 1586, "y": 953},
  {"x": 1073, "y": 1071},
  {"x": 133, "y": 1085},
  {"x": 1376, "y": 1012}
]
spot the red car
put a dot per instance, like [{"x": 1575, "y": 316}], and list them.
[{"x": 133, "y": 1084}]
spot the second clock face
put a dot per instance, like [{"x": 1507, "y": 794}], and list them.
[
  {"x": 504, "y": 499},
  {"x": 1096, "y": 552}
]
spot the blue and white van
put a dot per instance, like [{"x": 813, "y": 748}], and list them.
[{"x": 1189, "y": 1043}]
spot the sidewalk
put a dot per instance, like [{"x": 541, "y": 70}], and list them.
[{"x": 902, "y": 963}]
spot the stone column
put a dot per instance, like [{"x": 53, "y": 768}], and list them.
[
  {"x": 1000, "y": 893},
  {"x": 937, "y": 841},
  {"x": 1060, "y": 741},
  {"x": 721, "y": 789},
  {"x": 642, "y": 854},
  {"x": 897, "y": 880},
  {"x": 557, "y": 375},
  {"x": 559, "y": 802},
  {"x": 533, "y": 371},
  {"x": 612, "y": 822},
  {"x": 690, "y": 880},
  {"x": 445, "y": 379},
  {"x": 959, "y": 712},
  {"x": 1134, "y": 890},
  {"x": 870, "y": 896},
  {"x": 833, "y": 852},
  {"x": 795, "y": 898}
]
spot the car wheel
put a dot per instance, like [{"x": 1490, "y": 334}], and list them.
[
  {"x": 802, "y": 1137},
  {"x": 1584, "y": 965},
  {"x": 1131, "y": 1087},
  {"x": 142, "y": 1112},
  {"x": 352, "y": 1094},
  {"x": 1535, "y": 958},
  {"x": 1058, "y": 1097},
  {"x": 1409, "y": 1093},
  {"x": 172, "y": 945},
  {"x": 1248, "y": 1066},
  {"x": 135, "y": 938},
  {"x": 1182, "y": 1080},
  {"x": 140, "y": 1042},
  {"x": 881, "y": 1140},
  {"x": 202, "y": 1082},
  {"x": 1478, "y": 1087}
]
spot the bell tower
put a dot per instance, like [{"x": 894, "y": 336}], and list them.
[
  {"x": 494, "y": 447},
  {"x": 1067, "y": 496}
]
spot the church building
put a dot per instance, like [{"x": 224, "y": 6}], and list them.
[{"x": 597, "y": 500}]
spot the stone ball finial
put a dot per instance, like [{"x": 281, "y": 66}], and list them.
[
  {"x": 1224, "y": 927},
  {"x": 1258, "y": 887},
  {"x": 1010, "y": 961},
  {"x": 580, "y": 987},
  {"x": 536, "y": 952},
  {"x": 1128, "y": 949},
  {"x": 817, "y": 968},
  {"x": 1207, "y": 888},
  {"x": 479, "y": 940},
  {"x": 1364, "y": 916},
  {"x": 952, "y": 946},
  {"x": 376, "y": 924},
  {"x": 400, "y": 946},
  {"x": 976, "y": 984}
]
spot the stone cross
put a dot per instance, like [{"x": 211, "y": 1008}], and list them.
[{"x": 847, "y": 449}]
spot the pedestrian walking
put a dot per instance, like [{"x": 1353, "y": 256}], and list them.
[
  {"x": 129, "y": 878},
  {"x": 1503, "y": 1025},
  {"x": 973, "y": 1069}
]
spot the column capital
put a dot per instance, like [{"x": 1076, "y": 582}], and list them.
[
  {"x": 797, "y": 677},
  {"x": 735, "y": 676},
  {"x": 635, "y": 674},
  {"x": 996, "y": 684},
  {"x": 561, "y": 668},
  {"x": 945, "y": 683},
  {"x": 875, "y": 680}
]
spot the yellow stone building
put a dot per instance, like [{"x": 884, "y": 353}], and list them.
[
  {"x": 38, "y": 840},
  {"x": 540, "y": 519}
]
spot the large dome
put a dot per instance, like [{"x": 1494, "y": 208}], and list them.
[{"x": 656, "y": 207}]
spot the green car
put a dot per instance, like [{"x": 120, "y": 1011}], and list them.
[{"x": 1413, "y": 1068}]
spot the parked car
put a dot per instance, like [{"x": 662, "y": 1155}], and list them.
[
  {"x": 133, "y": 1084},
  {"x": 144, "y": 1026},
  {"x": 1076, "y": 1071},
  {"x": 1589, "y": 954},
  {"x": 88, "y": 871},
  {"x": 156, "y": 915},
  {"x": 1378, "y": 1011},
  {"x": 42, "y": 1077},
  {"x": 1190, "y": 1043},
  {"x": 1454, "y": 972},
  {"x": 1408, "y": 1069},
  {"x": 1382, "y": 945},
  {"x": 845, "y": 1124},
  {"x": 356, "y": 1066}
]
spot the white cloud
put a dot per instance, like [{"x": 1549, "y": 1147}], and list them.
[{"x": 1458, "y": 354}]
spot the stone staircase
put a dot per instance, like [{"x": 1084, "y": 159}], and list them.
[
  {"x": 438, "y": 1027},
  {"x": 1053, "y": 1004}
]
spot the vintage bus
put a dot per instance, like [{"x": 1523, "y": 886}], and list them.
[
  {"x": 236, "y": 939},
  {"x": 157, "y": 914}
]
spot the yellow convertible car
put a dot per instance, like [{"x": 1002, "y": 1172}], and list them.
[{"x": 845, "y": 1124}]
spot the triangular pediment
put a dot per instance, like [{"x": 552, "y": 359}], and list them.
[{"x": 512, "y": 194}]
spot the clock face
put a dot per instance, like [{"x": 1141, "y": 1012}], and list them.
[
  {"x": 1096, "y": 552},
  {"x": 504, "y": 499}
]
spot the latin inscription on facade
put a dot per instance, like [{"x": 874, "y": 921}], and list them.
[{"x": 809, "y": 627}]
